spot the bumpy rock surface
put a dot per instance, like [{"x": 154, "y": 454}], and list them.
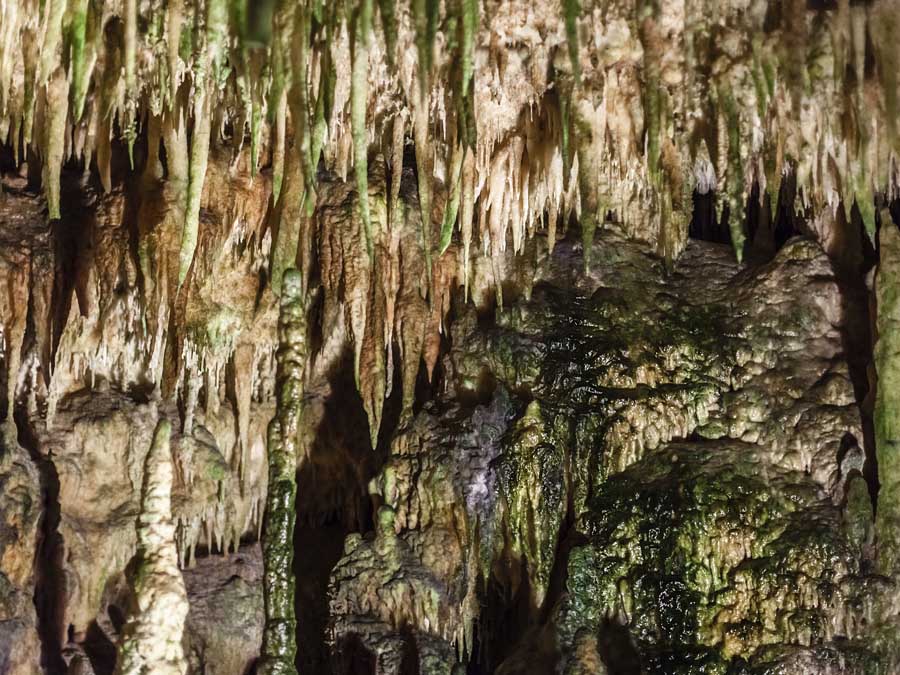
[
  {"x": 662, "y": 468},
  {"x": 224, "y": 624}
]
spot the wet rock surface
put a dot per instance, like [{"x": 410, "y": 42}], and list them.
[{"x": 657, "y": 469}]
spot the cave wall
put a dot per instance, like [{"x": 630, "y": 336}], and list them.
[{"x": 428, "y": 167}]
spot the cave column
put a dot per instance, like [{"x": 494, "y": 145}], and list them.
[
  {"x": 887, "y": 401},
  {"x": 279, "y": 635}
]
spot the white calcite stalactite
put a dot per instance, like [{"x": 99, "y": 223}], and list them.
[{"x": 151, "y": 641}]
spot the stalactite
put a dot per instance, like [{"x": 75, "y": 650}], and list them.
[
  {"x": 358, "y": 102},
  {"x": 79, "y": 67},
  {"x": 387, "y": 9},
  {"x": 467, "y": 212},
  {"x": 572, "y": 10},
  {"x": 300, "y": 95},
  {"x": 279, "y": 637},
  {"x": 452, "y": 208},
  {"x": 174, "y": 24},
  {"x": 57, "y": 93},
  {"x": 131, "y": 84},
  {"x": 52, "y": 38},
  {"x": 196, "y": 175},
  {"x": 425, "y": 16},
  {"x": 278, "y": 152}
]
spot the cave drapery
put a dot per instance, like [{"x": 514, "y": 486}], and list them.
[{"x": 480, "y": 335}]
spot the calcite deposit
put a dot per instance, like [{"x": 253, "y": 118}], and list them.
[{"x": 474, "y": 336}]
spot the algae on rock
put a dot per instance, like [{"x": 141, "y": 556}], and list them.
[{"x": 279, "y": 637}]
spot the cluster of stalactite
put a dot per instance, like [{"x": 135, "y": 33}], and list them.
[{"x": 520, "y": 115}]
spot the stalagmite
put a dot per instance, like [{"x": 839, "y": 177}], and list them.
[
  {"x": 279, "y": 638},
  {"x": 151, "y": 641}
]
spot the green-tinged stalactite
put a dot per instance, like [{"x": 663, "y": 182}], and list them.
[
  {"x": 467, "y": 25},
  {"x": 78, "y": 62},
  {"x": 196, "y": 176},
  {"x": 424, "y": 14},
  {"x": 388, "y": 11},
  {"x": 321, "y": 115},
  {"x": 467, "y": 212},
  {"x": 216, "y": 34},
  {"x": 55, "y": 9},
  {"x": 208, "y": 70},
  {"x": 469, "y": 31},
  {"x": 280, "y": 67},
  {"x": 174, "y": 24},
  {"x": 300, "y": 94},
  {"x": 735, "y": 195},
  {"x": 278, "y": 150},
  {"x": 279, "y": 641},
  {"x": 887, "y": 399},
  {"x": 131, "y": 85},
  {"x": 55, "y": 138},
  {"x": 358, "y": 100},
  {"x": 572, "y": 9},
  {"x": 565, "y": 141},
  {"x": 289, "y": 218},
  {"x": 452, "y": 208}
]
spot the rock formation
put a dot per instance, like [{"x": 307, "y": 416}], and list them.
[
  {"x": 151, "y": 640},
  {"x": 487, "y": 336}
]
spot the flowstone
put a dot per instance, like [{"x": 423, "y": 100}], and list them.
[{"x": 658, "y": 469}]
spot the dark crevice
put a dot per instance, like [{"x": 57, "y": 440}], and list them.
[
  {"x": 507, "y": 612},
  {"x": 354, "y": 658},
  {"x": 705, "y": 224},
  {"x": 410, "y": 663},
  {"x": 853, "y": 261},
  {"x": 100, "y": 650},
  {"x": 333, "y": 502}
]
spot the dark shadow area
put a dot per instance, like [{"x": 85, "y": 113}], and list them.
[
  {"x": 49, "y": 581},
  {"x": 853, "y": 257},
  {"x": 767, "y": 227},
  {"x": 506, "y": 614},
  {"x": 617, "y": 650},
  {"x": 332, "y": 502},
  {"x": 705, "y": 224},
  {"x": 410, "y": 663},
  {"x": 100, "y": 650},
  {"x": 49, "y": 573},
  {"x": 354, "y": 658}
]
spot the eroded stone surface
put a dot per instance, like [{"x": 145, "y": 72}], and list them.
[{"x": 666, "y": 452}]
